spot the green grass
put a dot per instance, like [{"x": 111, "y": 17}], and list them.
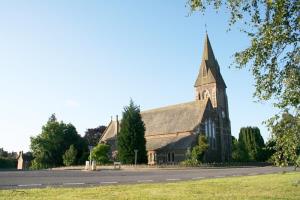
[{"x": 273, "y": 186}]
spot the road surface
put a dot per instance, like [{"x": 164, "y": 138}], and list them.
[{"x": 75, "y": 178}]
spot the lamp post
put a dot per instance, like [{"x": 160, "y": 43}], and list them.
[{"x": 135, "y": 157}]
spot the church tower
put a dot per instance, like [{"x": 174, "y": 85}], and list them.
[{"x": 210, "y": 84}]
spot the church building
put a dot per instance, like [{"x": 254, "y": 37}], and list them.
[{"x": 172, "y": 131}]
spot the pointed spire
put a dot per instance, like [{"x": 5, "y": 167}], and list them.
[
  {"x": 209, "y": 68},
  {"x": 208, "y": 53}
]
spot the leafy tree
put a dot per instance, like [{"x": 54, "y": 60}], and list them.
[
  {"x": 273, "y": 56},
  {"x": 92, "y": 135},
  {"x": 287, "y": 147},
  {"x": 3, "y": 153},
  {"x": 270, "y": 150},
  {"x": 132, "y": 136},
  {"x": 251, "y": 144},
  {"x": 55, "y": 138},
  {"x": 69, "y": 157},
  {"x": 100, "y": 153},
  {"x": 199, "y": 150}
]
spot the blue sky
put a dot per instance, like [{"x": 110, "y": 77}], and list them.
[{"x": 84, "y": 60}]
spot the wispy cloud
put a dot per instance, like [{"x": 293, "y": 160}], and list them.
[{"x": 71, "y": 103}]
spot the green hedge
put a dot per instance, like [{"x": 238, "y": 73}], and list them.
[{"x": 6, "y": 163}]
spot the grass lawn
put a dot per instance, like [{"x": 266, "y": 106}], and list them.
[{"x": 273, "y": 186}]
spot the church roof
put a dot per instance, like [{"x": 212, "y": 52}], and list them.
[
  {"x": 166, "y": 120},
  {"x": 173, "y": 119},
  {"x": 171, "y": 143},
  {"x": 210, "y": 65}
]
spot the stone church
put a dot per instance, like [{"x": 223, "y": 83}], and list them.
[{"x": 172, "y": 131}]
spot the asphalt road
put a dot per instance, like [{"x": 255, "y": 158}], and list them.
[{"x": 76, "y": 178}]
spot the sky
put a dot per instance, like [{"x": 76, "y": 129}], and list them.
[{"x": 84, "y": 60}]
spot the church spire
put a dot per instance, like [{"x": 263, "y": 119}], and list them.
[
  {"x": 209, "y": 68},
  {"x": 208, "y": 54}
]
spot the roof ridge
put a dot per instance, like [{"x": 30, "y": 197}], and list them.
[{"x": 168, "y": 107}]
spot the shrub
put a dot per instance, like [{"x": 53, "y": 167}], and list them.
[
  {"x": 7, "y": 163},
  {"x": 69, "y": 157},
  {"x": 196, "y": 157},
  {"x": 100, "y": 153}
]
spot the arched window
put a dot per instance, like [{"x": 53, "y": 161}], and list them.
[
  {"x": 205, "y": 94},
  {"x": 210, "y": 132}
]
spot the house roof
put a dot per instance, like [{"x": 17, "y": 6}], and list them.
[{"x": 110, "y": 132}]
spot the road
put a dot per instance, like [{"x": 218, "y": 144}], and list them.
[{"x": 76, "y": 178}]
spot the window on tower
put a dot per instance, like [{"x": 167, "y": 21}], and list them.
[{"x": 205, "y": 94}]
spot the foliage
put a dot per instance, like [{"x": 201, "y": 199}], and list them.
[
  {"x": 251, "y": 144},
  {"x": 69, "y": 157},
  {"x": 93, "y": 135},
  {"x": 273, "y": 56},
  {"x": 132, "y": 136},
  {"x": 270, "y": 150},
  {"x": 3, "y": 153},
  {"x": 196, "y": 157},
  {"x": 49, "y": 146},
  {"x": 8, "y": 160},
  {"x": 6, "y": 154},
  {"x": 200, "y": 149},
  {"x": 236, "y": 154},
  {"x": 8, "y": 163},
  {"x": 100, "y": 153},
  {"x": 286, "y": 133}
]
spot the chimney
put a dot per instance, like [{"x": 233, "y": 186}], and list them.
[{"x": 117, "y": 119}]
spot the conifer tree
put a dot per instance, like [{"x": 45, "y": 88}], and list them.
[
  {"x": 251, "y": 144},
  {"x": 132, "y": 136}
]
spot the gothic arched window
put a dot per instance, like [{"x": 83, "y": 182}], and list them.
[{"x": 205, "y": 94}]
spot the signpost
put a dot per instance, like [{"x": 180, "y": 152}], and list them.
[{"x": 135, "y": 157}]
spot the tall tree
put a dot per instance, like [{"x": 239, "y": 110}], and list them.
[
  {"x": 92, "y": 135},
  {"x": 55, "y": 138},
  {"x": 251, "y": 144},
  {"x": 273, "y": 55},
  {"x": 132, "y": 136}
]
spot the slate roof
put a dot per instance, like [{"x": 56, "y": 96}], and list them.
[
  {"x": 171, "y": 143},
  {"x": 167, "y": 120},
  {"x": 173, "y": 119}
]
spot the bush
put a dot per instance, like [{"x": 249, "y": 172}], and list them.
[
  {"x": 100, "y": 154},
  {"x": 190, "y": 163},
  {"x": 8, "y": 163},
  {"x": 196, "y": 157},
  {"x": 69, "y": 157}
]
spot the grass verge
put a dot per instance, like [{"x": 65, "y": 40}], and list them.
[{"x": 273, "y": 186}]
